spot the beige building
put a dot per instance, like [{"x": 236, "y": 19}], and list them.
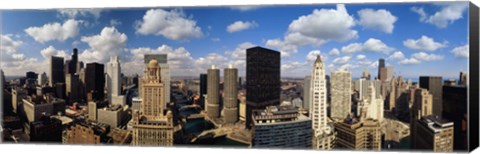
[
  {"x": 83, "y": 133},
  {"x": 358, "y": 135},
  {"x": 340, "y": 89},
  {"x": 422, "y": 106},
  {"x": 18, "y": 94},
  {"x": 151, "y": 126},
  {"x": 112, "y": 116},
  {"x": 436, "y": 134},
  {"x": 35, "y": 106}
]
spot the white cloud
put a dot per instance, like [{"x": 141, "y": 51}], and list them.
[
  {"x": 74, "y": 13},
  {"x": 371, "y": 45},
  {"x": 115, "y": 22},
  {"x": 315, "y": 29},
  {"x": 14, "y": 63},
  {"x": 422, "y": 56},
  {"x": 424, "y": 43},
  {"x": 396, "y": 55},
  {"x": 341, "y": 60},
  {"x": 360, "y": 57},
  {"x": 381, "y": 20},
  {"x": 245, "y": 7},
  {"x": 449, "y": 13},
  {"x": 104, "y": 45},
  {"x": 241, "y": 25},
  {"x": 409, "y": 61},
  {"x": 240, "y": 53},
  {"x": 312, "y": 56},
  {"x": 326, "y": 24},
  {"x": 461, "y": 51},
  {"x": 334, "y": 52},
  {"x": 8, "y": 45},
  {"x": 54, "y": 31},
  {"x": 173, "y": 25},
  {"x": 51, "y": 51}
]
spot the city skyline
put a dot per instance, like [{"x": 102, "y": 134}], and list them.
[{"x": 197, "y": 41}]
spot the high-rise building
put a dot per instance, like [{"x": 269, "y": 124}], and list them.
[
  {"x": 341, "y": 82},
  {"x": 382, "y": 72},
  {"x": 374, "y": 105},
  {"x": 434, "y": 134},
  {"x": 95, "y": 80},
  {"x": 56, "y": 71},
  {"x": 263, "y": 79},
  {"x": 42, "y": 79},
  {"x": 361, "y": 85},
  {"x": 2, "y": 84},
  {"x": 113, "y": 116},
  {"x": 455, "y": 110},
  {"x": 73, "y": 64},
  {"x": 366, "y": 74},
  {"x": 463, "y": 79},
  {"x": 230, "y": 94},
  {"x": 281, "y": 126},
  {"x": 46, "y": 130},
  {"x": 306, "y": 92},
  {"x": 203, "y": 89},
  {"x": 323, "y": 134},
  {"x": 114, "y": 84},
  {"x": 358, "y": 135},
  {"x": 213, "y": 92},
  {"x": 434, "y": 85},
  {"x": 73, "y": 88},
  {"x": 422, "y": 106},
  {"x": 162, "y": 60},
  {"x": 151, "y": 126},
  {"x": 390, "y": 73}
]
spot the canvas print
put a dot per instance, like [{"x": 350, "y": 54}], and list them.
[{"x": 373, "y": 76}]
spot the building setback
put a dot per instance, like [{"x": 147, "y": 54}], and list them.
[
  {"x": 95, "y": 80},
  {"x": 213, "y": 92},
  {"x": 263, "y": 80},
  {"x": 281, "y": 127},
  {"x": 230, "y": 94},
  {"x": 434, "y": 85}
]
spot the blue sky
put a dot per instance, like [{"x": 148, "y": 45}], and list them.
[{"x": 415, "y": 38}]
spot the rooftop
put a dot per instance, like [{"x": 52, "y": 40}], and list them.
[{"x": 435, "y": 123}]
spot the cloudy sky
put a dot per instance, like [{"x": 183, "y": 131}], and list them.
[{"x": 415, "y": 38}]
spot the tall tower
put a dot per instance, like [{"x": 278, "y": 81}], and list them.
[
  {"x": 341, "y": 94},
  {"x": 366, "y": 74},
  {"x": 422, "y": 106},
  {"x": 57, "y": 74},
  {"x": 230, "y": 94},
  {"x": 95, "y": 80},
  {"x": 381, "y": 73},
  {"x": 306, "y": 92},
  {"x": 434, "y": 85},
  {"x": 151, "y": 125},
  {"x": 263, "y": 80},
  {"x": 213, "y": 93},
  {"x": 114, "y": 83},
  {"x": 203, "y": 89},
  {"x": 164, "y": 72},
  {"x": 318, "y": 96}
]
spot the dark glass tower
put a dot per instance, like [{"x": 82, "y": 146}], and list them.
[
  {"x": 56, "y": 71},
  {"x": 434, "y": 85},
  {"x": 95, "y": 79},
  {"x": 263, "y": 80},
  {"x": 203, "y": 89}
]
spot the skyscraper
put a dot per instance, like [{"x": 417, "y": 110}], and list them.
[
  {"x": 95, "y": 80},
  {"x": 382, "y": 73},
  {"x": 306, "y": 92},
  {"x": 434, "y": 85},
  {"x": 434, "y": 134},
  {"x": 151, "y": 126},
  {"x": 213, "y": 92},
  {"x": 463, "y": 79},
  {"x": 162, "y": 60},
  {"x": 455, "y": 105},
  {"x": 422, "y": 106},
  {"x": 263, "y": 80},
  {"x": 366, "y": 74},
  {"x": 230, "y": 94},
  {"x": 341, "y": 94},
  {"x": 56, "y": 71},
  {"x": 203, "y": 89},
  {"x": 318, "y": 108},
  {"x": 72, "y": 66},
  {"x": 114, "y": 84}
]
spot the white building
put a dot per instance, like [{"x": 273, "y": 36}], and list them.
[
  {"x": 165, "y": 73},
  {"x": 114, "y": 84},
  {"x": 323, "y": 134},
  {"x": 341, "y": 100}
]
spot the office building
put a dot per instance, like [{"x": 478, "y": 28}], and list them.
[
  {"x": 46, "y": 130},
  {"x": 162, "y": 60},
  {"x": 422, "y": 106},
  {"x": 358, "y": 135},
  {"x": 213, "y": 92},
  {"x": 463, "y": 79},
  {"x": 306, "y": 92},
  {"x": 113, "y": 116},
  {"x": 95, "y": 80},
  {"x": 93, "y": 106},
  {"x": 361, "y": 85},
  {"x": 434, "y": 134},
  {"x": 390, "y": 73},
  {"x": 230, "y": 94},
  {"x": 263, "y": 79},
  {"x": 42, "y": 79},
  {"x": 87, "y": 134},
  {"x": 281, "y": 127},
  {"x": 374, "y": 105},
  {"x": 151, "y": 125},
  {"x": 73, "y": 88},
  {"x": 382, "y": 70},
  {"x": 57, "y": 74},
  {"x": 366, "y": 74},
  {"x": 114, "y": 84},
  {"x": 35, "y": 106},
  {"x": 203, "y": 89},
  {"x": 18, "y": 94},
  {"x": 455, "y": 110},
  {"x": 341, "y": 103},
  {"x": 434, "y": 85},
  {"x": 136, "y": 103}
]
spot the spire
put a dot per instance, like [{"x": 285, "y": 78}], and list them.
[{"x": 319, "y": 59}]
